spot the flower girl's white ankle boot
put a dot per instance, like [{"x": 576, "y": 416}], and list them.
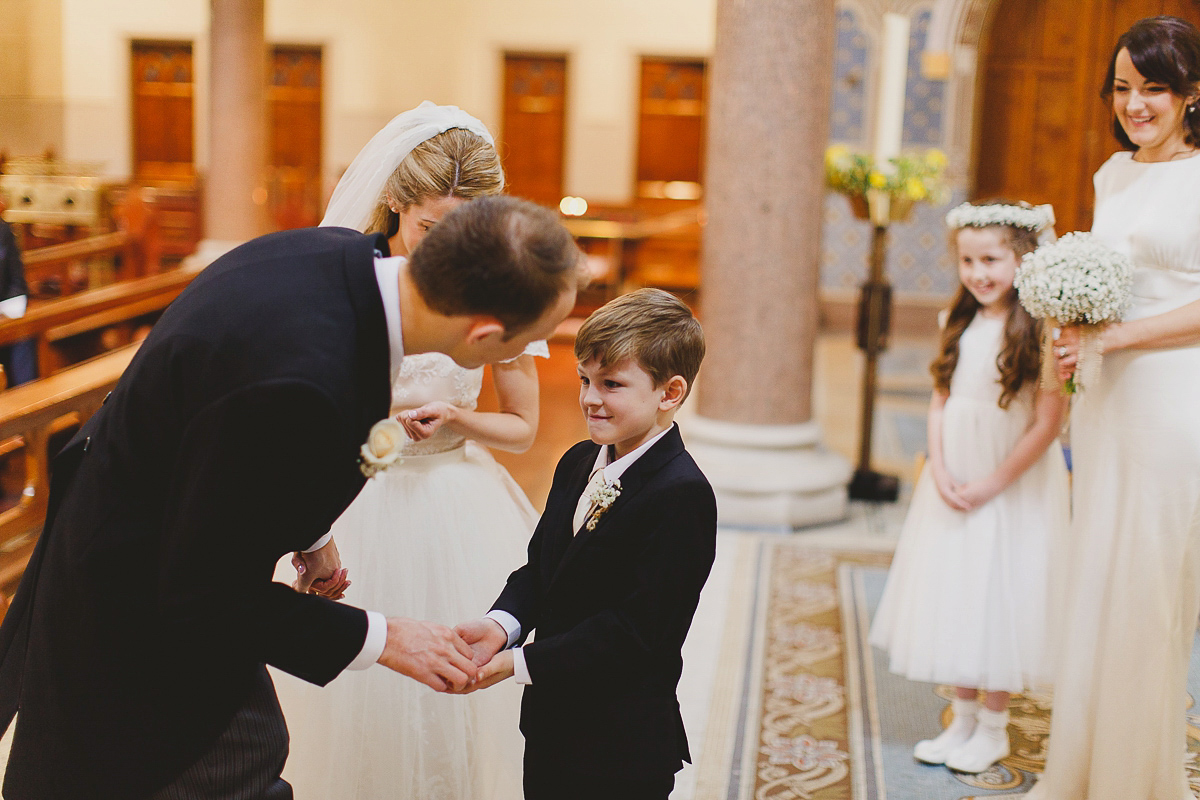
[
  {"x": 987, "y": 745},
  {"x": 936, "y": 751}
]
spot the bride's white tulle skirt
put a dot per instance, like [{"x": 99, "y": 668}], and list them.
[{"x": 434, "y": 539}]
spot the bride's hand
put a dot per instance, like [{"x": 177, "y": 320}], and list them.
[
  {"x": 422, "y": 422},
  {"x": 1066, "y": 351}
]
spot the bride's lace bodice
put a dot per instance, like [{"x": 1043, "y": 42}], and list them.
[{"x": 426, "y": 377}]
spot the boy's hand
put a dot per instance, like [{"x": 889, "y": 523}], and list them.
[
  {"x": 485, "y": 636},
  {"x": 493, "y": 672}
]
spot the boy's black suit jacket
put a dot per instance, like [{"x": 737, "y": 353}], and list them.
[
  {"x": 612, "y": 607},
  {"x": 231, "y": 440}
]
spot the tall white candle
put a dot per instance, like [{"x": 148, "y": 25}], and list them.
[{"x": 893, "y": 77}]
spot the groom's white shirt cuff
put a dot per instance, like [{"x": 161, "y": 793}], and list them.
[
  {"x": 373, "y": 645},
  {"x": 513, "y": 628},
  {"x": 324, "y": 540}
]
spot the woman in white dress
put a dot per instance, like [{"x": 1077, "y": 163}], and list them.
[
  {"x": 1131, "y": 578},
  {"x": 433, "y": 537}
]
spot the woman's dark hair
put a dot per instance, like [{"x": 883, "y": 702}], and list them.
[
  {"x": 1165, "y": 50},
  {"x": 1020, "y": 356}
]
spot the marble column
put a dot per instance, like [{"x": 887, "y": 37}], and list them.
[
  {"x": 235, "y": 194},
  {"x": 753, "y": 434}
]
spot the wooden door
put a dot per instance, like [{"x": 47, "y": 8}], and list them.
[
  {"x": 162, "y": 111},
  {"x": 671, "y": 128},
  {"x": 1043, "y": 127},
  {"x": 294, "y": 136},
  {"x": 535, "y": 101}
]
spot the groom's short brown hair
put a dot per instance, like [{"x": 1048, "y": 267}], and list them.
[{"x": 500, "y": 256}]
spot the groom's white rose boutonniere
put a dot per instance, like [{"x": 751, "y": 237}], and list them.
[
  {"x": 383, "y": 446},
  {"x": 601, "y": 497}
]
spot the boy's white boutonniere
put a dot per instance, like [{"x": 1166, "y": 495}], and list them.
[
  {"x": 382, "y": 448},
  {"x": 601, "y": 497}
]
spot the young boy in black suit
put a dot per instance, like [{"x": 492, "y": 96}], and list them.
[{"x": 615, "y": 569}]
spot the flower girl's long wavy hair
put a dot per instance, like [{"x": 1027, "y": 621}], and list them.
[{"x": 1019, "y": 361}]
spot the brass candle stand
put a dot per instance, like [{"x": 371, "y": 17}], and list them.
[{"x": 873, "y": 324}]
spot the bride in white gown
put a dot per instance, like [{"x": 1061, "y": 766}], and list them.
[
  {"x": 1131, "y": 578},
  {"x": 435, "y": 536}
]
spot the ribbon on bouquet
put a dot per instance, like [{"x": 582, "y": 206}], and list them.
[{"x": 1087, "y": 365}]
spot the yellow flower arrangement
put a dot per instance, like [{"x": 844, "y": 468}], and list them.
[{"x": 914, "y": 177}]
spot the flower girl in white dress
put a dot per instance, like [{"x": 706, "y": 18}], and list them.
[
  {"x": 965, "y": 596},
  {"x": 432, "y": 536}
]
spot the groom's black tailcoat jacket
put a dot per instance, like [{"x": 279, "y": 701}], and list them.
[
  {"x": 230, "y": 440},
  {"x": 612, "y": 607}
]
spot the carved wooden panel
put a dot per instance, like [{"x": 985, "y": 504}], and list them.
[
  {"x": 162, "y": 79},
  {"x": 671, "y": 119},
  {"x": 294, "y": 135},
  {"x": 1043, "y": 128},
  {"x": 532, "y": 147}
]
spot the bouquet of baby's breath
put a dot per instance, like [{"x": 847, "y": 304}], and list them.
[{"x": 1075, "y": 281}]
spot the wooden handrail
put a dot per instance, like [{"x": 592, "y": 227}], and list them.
[
  {"x": 54, "y": 313},
  {"x": 104, "y": 244},
  {"x": 29, "y": 416},
  {"x": 81, "y": 386}
]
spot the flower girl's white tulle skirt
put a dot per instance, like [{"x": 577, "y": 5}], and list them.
[
  {"x": 435, "y": 539},
  {"x": 966, "y": 594}
]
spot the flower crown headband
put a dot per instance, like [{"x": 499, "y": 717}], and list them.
[{"x": 1035, "y": 218}]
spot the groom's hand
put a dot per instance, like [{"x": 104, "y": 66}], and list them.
[
  {"x": 320, "y": 572},
  {"x": 485, "y": 636},
  {"x": 430, "y": 653}
]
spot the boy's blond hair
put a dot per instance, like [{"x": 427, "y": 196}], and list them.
[{"x": 650, "y": 326}]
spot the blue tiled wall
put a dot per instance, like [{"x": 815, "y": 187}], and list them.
[
  {"x": 849, "y": 85},
  {"x": 918, "y": 260}
]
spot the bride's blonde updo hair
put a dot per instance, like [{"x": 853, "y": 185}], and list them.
[{"x": 456, "y": 163}]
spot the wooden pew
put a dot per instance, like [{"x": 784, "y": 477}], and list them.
[
  {"x": 59, "y": 326},
  {"x": 630, "y": 247},
  {"x": 30, "y": 416},
  {"x": 64, "y": 269},
  {"x": 132, "y": 251}
]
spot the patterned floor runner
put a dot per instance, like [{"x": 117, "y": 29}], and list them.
[{"x": 817, "y": 716}]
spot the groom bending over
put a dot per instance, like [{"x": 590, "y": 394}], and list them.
[{"x": 135, "y": 646}]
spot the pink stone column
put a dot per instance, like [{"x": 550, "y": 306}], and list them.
[
  {"x": 771, "y": 84},
  {"x": 235, "y": 193}
]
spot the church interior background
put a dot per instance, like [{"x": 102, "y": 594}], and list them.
[{"x": 605, "y": 101}]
